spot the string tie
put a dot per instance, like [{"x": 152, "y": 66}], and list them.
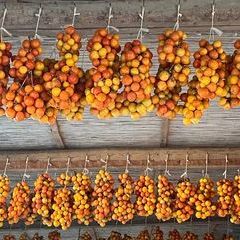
[
  {"x": 147, "y": 167},
  {"x": 213, "y": 29},
  {"x": 5, "y": 168},
  {"x": 85, "y": 169},
  {"x": 75, "y": 13},
  {"x": 142, "y": 29},
  {"x": 179, "y": 15},
  {"x": 226, "y": 167},
  {"x": 110, "y": 16},
  {"x": 185, "y": 174},
  {"x": 3, "y": 29},
  {"x": 25, "y": 175},
  {"x": 166, "y": 172},
  {"x": 38, "y": 15},
  {"x": 127, "y": 163}
]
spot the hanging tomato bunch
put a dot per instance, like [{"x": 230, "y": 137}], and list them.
[
  {"x": 104, "y": 84},
  {"x": 136, "y": 62},
  {"x": 173, "y": 72}
]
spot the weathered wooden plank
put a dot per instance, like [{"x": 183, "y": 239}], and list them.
[
  {"x": 57, "y": 135},
  {"x": 164, "y": 132},
  {"x": 117, "y": 157}
]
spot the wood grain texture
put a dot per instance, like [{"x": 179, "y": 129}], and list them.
[{"x": 117, "y": 157}]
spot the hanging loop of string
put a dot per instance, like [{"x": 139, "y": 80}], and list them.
[
  {"x": 105, "y": 162},
  {"x": 179, "y": 15},
  {"x": 75, "y": 13},
  {"x": 147, "y": 166},
  {"x": 238, "y": 172},
  {"x": 85, "y": 169},
  {"x": 206, "y": 165},
  {"x": 213, "y": 29},
  {"x": 185, "y": 174},
  {"x": 226, "y": 167},
  {"x": 5, "y": 168},
  {"x": 110, "y": 16},
  {"x": 25, "y": 175},
  {"x": 3, "y": 29},
  {"x": 48, "y": 164},
  {"x": 142, "y": 29},
  {"x": 166, "y": 172},
  {"x": 38, "y": 15},
  {"x": 127, "y": 163}
]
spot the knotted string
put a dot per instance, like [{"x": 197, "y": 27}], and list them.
[
  {"x": 110, "y": 16},
  {"x": 166, "y": 172},
  {"x": 25, "y": 175},
  {"x": 38, "y": 15},
  {"x": 85, "y": 169},
  {"x": 127, "y": 163},
  {"x": 105, "y": 162},
  {"x": 5, "y": 168},
  {"x": 3, "y": 29},
  {"x": 185, "y": 174},
  {"x": 48, "y": 164},
  {"x": 75, "y": 13},
  {"x": 226, "y": 167},
  {"x": 179, "y": 15},
  {"x": 206, "y": 165},
  {"x": 147, "y": 166},
  {"x": 142, "y": 29},
  {"x": 213, "y": 29}
]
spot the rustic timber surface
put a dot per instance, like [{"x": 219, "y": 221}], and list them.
[{"x": 117, "y": 157}]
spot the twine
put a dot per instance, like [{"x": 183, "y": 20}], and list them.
[
  {"x": 166, "y": 172},
  {"x": 5, "y": 168},
  {"x": 226, "y": 167},
  {"x": 105, "y": 162},
  {"x": 75, "y": 13},
  {"x": 142, "y": 29},
  {"x": 38, "y": 15},
  {"x": 147, "y": 167},
  {"x": 206, "y": 165},
  {"x": 25, "y": 175},
  {"x": 179, "y": 15},
  {"x": 127, "y": 163},
  {"x": 185, "y": 174},
  {"x": 213, "y": 29},
  {"x": 3, "y": 29},
  {"x": 85, "y": 169},
  {"x": 48, "y": 164},
  {"x": 110, "y": 16}
]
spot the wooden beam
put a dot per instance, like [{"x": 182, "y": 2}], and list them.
[
  {"x": 117, "y": 157},
  {"x": 164, "y": 133},
  {"x": 57, "y": 135}
]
